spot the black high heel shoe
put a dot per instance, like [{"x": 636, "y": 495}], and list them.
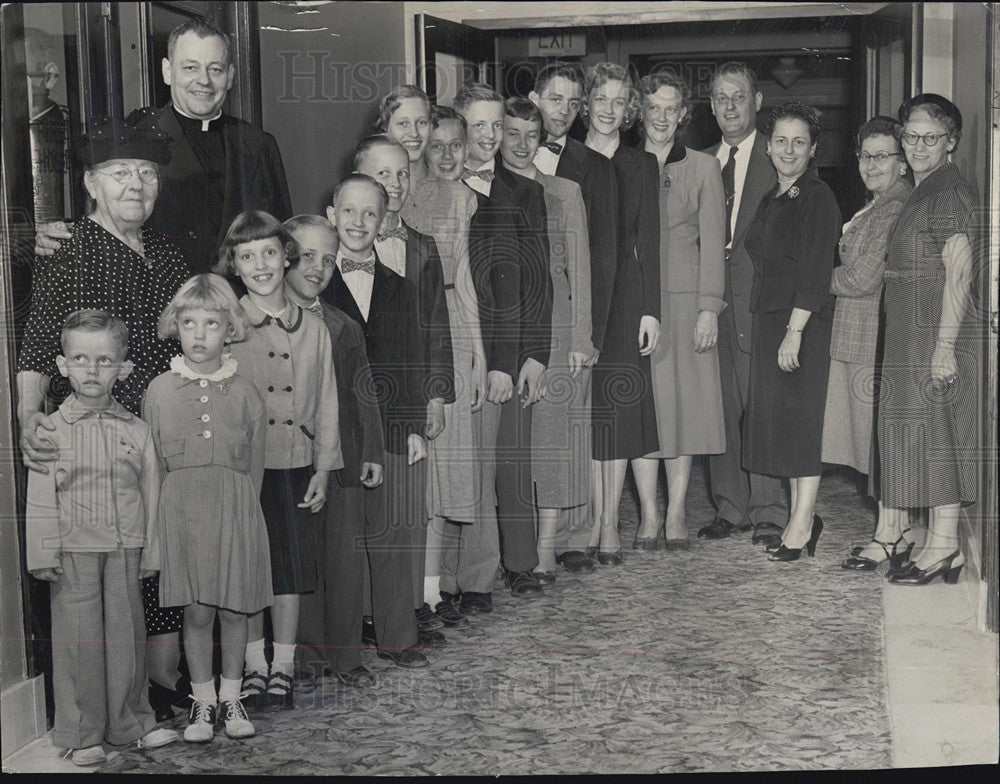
[
  {"x": 945, "y": 567},
  {"x": 895, "y": 557},
  {"x": 785, "y": 554}
]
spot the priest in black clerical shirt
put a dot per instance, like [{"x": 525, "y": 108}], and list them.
[{"x": 219, "y": 165}]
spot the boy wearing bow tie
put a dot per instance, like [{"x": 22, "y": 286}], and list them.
[
  {"x": 414, "y": 256},
  {"x": 385, "y": 305}
]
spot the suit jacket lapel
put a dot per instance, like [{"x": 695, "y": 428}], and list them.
[
  {"x": 759, "y": 180},
  {"x": 383, "y": 290},
  {"x": 414, "y": 255},
  {"x": 343, "y": 298},
  {"x": 570, "y": 161}
]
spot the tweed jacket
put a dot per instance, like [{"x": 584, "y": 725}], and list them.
[{"x": 858, "y": 280}]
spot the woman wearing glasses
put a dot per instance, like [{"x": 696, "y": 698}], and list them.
[
  {"x": 927, "y": 415},
  {"x": 111, "y": 263},
  {"x": 792, "y": 242},
  {"x": 857, "y": 282}
]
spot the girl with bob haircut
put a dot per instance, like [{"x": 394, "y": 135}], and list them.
[
  {"x": 208, "y": 292},
  {"x": 252, "y": 226},
  {"x": 208, "y": 426}
]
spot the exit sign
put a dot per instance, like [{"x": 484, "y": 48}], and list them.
[{"x": 556, "y": 44}]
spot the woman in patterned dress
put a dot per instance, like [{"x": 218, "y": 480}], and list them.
[
  {"x": 928, "y": 407},
  {"x": 111, "y": 263}
]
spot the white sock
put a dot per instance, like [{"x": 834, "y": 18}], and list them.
[
  {"x": 432, "y": 590},
  {"x": 255, "y": 661},
  {"x": 284, "y": 658},
  {"x": 229, "y": 689},
  {"x": 204, "y": 692}
]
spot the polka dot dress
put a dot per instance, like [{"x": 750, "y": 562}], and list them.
[{"x": 96, "y": 270}]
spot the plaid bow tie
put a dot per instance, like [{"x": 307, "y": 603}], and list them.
[
  {"x": 399, "y": 233},
  {"x": 484, "y": 174},
  {"x": 553, "y": 147},
  {"x": 350, "y": 265},
  {"x": 316, "y": 308}
]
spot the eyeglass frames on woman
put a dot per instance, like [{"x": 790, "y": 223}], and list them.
[
  {"x": 930, "y": 139},
  {"x": 122, "y": 175},
  {"x": 879, "y": 157}
]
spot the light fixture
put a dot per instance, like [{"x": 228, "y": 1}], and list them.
[{"x": 786, "y": 73}]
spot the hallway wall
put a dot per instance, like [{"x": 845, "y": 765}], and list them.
[{"x": 323, "y": 71}]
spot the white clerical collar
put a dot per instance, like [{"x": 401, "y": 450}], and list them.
[{"x": 204, "y": 122}]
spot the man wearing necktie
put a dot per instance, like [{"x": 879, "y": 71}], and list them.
[
  {"x": 741, "y": 499},
  {"x": 557, "y": 94}
]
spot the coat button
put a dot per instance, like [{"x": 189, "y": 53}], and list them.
[
  {"x": 288, "y": 389},
  {"x": 288, "y": 421},
  {"x": 204, "y": 398},
  {"x": 207, "y": 434},
  {"x": 270, "y": 421},
  {"x": 270, "y": 389},
  {"x": 203, "y": 383},
  {"x": 270, "y": 353},
  {"x": 284, "y": 356},
  {"x": 205, "y": 418}
]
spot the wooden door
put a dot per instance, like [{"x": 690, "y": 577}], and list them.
[{"x": 451, "y": 54}]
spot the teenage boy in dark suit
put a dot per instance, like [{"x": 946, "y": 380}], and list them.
[
  {"x": 509, "y": 257},
  {"x": 385, "y": 306}
]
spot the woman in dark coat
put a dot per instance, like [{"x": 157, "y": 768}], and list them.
[
  {"x": 792, "y": 242},
  {"x": 928, "y": 409},
  {"x": 623, "y": 412}
]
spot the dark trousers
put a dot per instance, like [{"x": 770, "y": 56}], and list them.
[
  {"x": 330, "y": 617},
  {"x": 396, "y": 539},
  {"x": 515, "y": 501},
  {"x": 740, "y": 496}
]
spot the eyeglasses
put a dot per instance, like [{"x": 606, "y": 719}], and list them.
[
  {"x": 930, "y": 139},
  {"x": 123, "y": 174},
  {"x": 879, "y": 157}
]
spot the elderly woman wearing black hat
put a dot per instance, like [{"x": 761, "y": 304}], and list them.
[
  {"x": 111, "y": 263},
  {"x": 925, "y": 445}
]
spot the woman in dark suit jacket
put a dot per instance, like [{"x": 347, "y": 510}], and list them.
[
  {"x": 792, "y": 242},
  {"x": 623, "y": 414}
]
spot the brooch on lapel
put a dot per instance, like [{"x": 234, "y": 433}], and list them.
[
  {"x": 793, "y": 191},
  {"x": 667, "y": 179},
  {"x": 127, "y": 447}
]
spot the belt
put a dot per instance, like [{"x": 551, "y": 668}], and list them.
[
  {"x": 449, "y": 286},
  {"x": 912, "y": 275}
]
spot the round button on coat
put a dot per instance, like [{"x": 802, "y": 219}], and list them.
[
  {"x": 207, "y": 434},
  {"x": 205, "y": 418}
]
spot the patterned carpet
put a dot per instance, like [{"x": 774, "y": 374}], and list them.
[{"x": 710, "y": 660}]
